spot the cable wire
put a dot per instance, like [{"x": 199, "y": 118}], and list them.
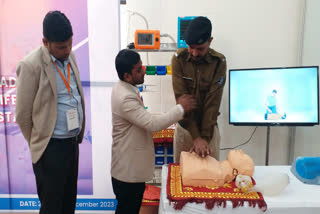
[
  {"x": 242, "y": 143},
  {"x": 169, "y": 36},
  {"x": 132, "y": 13}
]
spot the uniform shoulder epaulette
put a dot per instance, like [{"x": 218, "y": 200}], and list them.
[
  {"x": 217, "y": 54},
  {"x": 181, "y": 52}
]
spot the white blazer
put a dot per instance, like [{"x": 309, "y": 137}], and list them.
[{"x": 133, "y": 156}]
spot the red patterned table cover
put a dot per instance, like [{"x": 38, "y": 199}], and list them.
[{"x": 179, "y": 194}]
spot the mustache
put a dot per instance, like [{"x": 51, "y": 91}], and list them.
[{"x": 196, "y": 58}]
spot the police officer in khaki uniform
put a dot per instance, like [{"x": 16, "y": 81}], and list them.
[{"x": 201, "y": 72}]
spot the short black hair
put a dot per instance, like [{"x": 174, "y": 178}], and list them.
[
  {"x": 125, "y": 61},
  {"x": 56, "y": 27},
  {"x": 274, "y": 91},
  {"x": 198, "y": 31}
]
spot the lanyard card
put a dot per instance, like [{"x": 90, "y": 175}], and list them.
[{"x": 72, "y": 119}]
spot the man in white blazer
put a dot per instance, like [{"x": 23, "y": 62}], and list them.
[
  {"x": 50, "y": 113},
  {"x": 132, "y": 147}
]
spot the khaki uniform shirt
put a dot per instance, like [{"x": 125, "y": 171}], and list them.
[{"x": 205, "y": 81}]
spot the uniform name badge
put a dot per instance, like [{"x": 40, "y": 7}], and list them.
[{"x": 72, "y": 119}]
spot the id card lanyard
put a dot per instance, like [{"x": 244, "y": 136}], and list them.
[
  {"x": 67, "y": 84},
  {"x": 72, "y": 119}
]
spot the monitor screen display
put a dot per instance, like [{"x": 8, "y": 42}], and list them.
[
  {"x": 274, "y": 96},
  {"x": 145, "y": 39},
  {"x": 183, "y": 23},
  {"x": 183, "y": 27}
]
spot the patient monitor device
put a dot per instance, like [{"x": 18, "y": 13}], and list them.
[
  {"x": 183, "y": 23},
  {"x": 147, "y": 39}
]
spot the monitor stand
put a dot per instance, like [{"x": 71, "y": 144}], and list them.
[{"x": 268, "y": 145}]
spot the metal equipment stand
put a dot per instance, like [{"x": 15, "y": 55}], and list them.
[{"x": 268, "y": 145}]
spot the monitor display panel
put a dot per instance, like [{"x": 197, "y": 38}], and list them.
[
  {"x": 274, "y": 96},
  {"x": 183, "y": 23},
  {"x": 145, "y": 38}
]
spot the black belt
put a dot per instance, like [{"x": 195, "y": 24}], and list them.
[{"x": 67, "y": 140}]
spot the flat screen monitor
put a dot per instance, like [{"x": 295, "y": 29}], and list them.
[{"x": 286, "y": 96}]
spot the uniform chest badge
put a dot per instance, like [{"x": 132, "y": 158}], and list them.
[{"x": 221, "y": 80}]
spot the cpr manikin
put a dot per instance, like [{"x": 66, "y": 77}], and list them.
[{"x": 197, "y": 171}]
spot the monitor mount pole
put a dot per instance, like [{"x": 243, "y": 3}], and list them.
[{"x": 268, "y": 145}]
